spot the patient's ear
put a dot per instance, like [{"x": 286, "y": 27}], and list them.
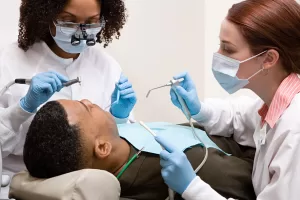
[{"x": 102, "y": 148}]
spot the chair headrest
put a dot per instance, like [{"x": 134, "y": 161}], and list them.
[{"x": 87, "y": 184}]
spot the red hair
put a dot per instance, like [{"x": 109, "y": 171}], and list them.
[{"x": 270, "y": 24}]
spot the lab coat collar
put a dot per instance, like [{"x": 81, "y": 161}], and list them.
[
  {"x": 287, "y": 90},
  {"x": 51, "y": 55}
]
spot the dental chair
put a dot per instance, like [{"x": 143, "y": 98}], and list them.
[{"x": 87, "y": 184}]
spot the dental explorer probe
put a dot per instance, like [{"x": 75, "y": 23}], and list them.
[
  {"x": 166, "y": 85},
  {"x": 28, "y": 81},
  {"x": 173, "y": 84}
]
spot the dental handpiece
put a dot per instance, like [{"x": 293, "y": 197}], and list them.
[
  {"x": 28, "y": 81},
  {"x": 71, "y": 82}
]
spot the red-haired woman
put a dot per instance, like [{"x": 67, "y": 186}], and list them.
[{"x": 259, "y": 50}]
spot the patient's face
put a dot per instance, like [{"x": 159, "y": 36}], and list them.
[
  {"x": 98, "y": 131},
  {"x": 92, "y": 120}
]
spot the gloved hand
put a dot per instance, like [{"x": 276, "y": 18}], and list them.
[
  {"x": 42, "y": 87},
  {"x": 124, "y": 99},
  {"x": 188, "y": 92},
  {"x": 177, "y": 171}
]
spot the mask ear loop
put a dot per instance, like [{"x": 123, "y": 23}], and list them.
[
  {"x": 261, "y": 70},
  {"x": 253, "y": 56},
  {"x": 265, "y": 71}
]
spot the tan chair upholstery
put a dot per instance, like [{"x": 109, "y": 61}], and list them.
[{"x": 87, "y": 184}]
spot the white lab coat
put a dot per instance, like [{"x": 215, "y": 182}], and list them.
[
  {"x": 276, "y": 174},
  {"x": 98, "y": 71}
]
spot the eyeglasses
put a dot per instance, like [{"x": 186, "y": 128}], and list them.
[{"x": 70, "y": 28}]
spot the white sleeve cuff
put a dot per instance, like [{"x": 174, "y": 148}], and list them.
[
  {"x": 204, "y": 115},
  {"x": 121, "y": 121},
  {"x": 13, "y": 116},
  {"x": 129, "y": 119},
  {"x": 200, "y": 190}
]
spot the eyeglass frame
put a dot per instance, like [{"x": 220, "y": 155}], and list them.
[{"x": 78, "y": 26}]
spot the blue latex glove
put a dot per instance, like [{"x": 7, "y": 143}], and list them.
[
  {"x": 177, "y": 171},
  {"x": 188, "y": 92},
  {"x": 42, "y": 87},
  {"x": 124, "y": 99}
]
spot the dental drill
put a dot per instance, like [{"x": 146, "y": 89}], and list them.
[
  {"x": 28, "y": 81},
  {"x": 173, "y": 84}
]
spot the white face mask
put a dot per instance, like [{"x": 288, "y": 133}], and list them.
[
  {"x": 225, "y": 71},
  {"x": 63, "y": 39}
]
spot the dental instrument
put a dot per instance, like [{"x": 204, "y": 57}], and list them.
[
  {"x": 28, "y": 81},
  {"x": 166, "y": 85},
  {"x": 147, "y": 128},
  {"x": 189, "y": 117},
  {"x": 73, "y": 81},
  {"x": 171, "y": 192},
  {"x": 133, "y": 158},
  {"x": 118, "y": 96},
  {"x": 174, "y": 83}
]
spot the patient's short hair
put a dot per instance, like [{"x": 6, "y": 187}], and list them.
[{"x": 53, "y": 146}]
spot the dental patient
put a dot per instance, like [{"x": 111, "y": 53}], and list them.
[{"x": 67, "y": 136}]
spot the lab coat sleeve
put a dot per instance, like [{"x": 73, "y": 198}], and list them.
[
  {"x": 12, "y": 116},
  {"x": 283, "y": 169},
  {"x": 199, "y": 190},
  {"x": 11, "y": 119},
  {"x": 234, "y": 116}
]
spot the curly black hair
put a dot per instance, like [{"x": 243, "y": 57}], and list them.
[
  {"x": 36, "y": 15},
  {"x": 52, "y": 147}
]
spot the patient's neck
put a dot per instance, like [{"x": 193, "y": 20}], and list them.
[{"x": 119, "y": 156}]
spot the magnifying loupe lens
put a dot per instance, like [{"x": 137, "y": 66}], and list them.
[
  {"x": 90, "y": 42},
  {"x": 75, "y": 41}
]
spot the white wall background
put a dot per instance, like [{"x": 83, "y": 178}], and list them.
[
  {"x": 9, "y": 20},
  {"x": 161, "y": 39}
]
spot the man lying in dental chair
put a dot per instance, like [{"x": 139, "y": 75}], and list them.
[{"x": 67, "y": 136}]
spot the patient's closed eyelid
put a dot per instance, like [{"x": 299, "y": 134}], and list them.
[{"x": 85, "y": 106}]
